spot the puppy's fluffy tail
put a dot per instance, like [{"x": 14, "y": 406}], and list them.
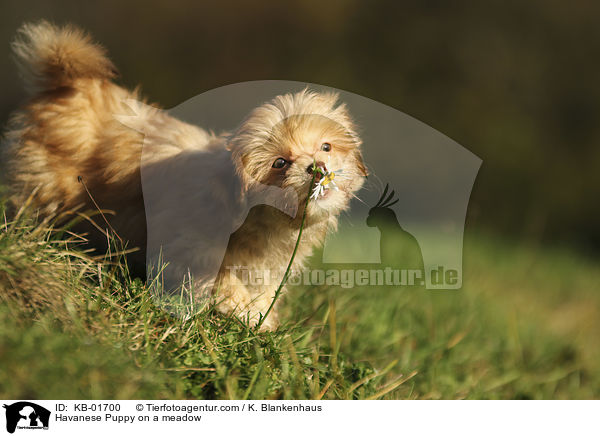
[{"x": 50, "y": 57}]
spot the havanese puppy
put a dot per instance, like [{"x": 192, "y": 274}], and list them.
[{"x": 71, "y": 148}]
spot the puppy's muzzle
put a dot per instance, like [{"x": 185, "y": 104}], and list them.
[{"x": 321, "y": 166}]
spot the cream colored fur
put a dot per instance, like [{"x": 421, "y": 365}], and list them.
[{"x": 73, "y": 128}]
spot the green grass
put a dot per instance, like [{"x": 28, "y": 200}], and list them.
[{"x": 525, "y": 325}]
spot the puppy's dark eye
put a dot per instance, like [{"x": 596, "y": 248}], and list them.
[
  {"x": 279, "y": 163},
  {"x": 326, "y": 146}
]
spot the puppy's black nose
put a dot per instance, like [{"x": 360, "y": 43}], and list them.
[{"x": 321, "y": 166}]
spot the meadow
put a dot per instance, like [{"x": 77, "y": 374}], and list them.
[{"x": 524, "y": 326}]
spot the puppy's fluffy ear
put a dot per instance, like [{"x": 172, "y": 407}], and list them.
[
  {"x": 239, "y": 145},
  {"x": 344, "y": 119},
  {"x": 240, "y": 163},
  {"x": 360, "y": 163}
]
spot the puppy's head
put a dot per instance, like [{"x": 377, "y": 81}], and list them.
[{"x": 281, "y": 141}]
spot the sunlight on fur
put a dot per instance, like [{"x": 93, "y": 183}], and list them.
[{"x": 71, "y": 136}]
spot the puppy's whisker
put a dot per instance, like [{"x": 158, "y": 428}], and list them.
[{"x": 353, "y": 195}]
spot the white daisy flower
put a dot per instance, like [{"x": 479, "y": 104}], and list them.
[{"x": 326, "y": 182}]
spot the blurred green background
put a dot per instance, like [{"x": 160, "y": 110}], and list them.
[{"x": 514, "y": 82}]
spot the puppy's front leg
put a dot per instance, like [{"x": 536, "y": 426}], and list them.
[{"x": 234, "y": 297}]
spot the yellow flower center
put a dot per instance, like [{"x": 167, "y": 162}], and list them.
[{"x": 328, "y": 178}]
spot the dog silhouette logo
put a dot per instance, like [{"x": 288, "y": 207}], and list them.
[{"x": 26, "y": 415}]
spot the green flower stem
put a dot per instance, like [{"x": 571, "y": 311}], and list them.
[{"x": 287, "y": 271}]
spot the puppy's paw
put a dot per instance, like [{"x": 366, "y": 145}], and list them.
[{"x": 271, "y": 323}]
